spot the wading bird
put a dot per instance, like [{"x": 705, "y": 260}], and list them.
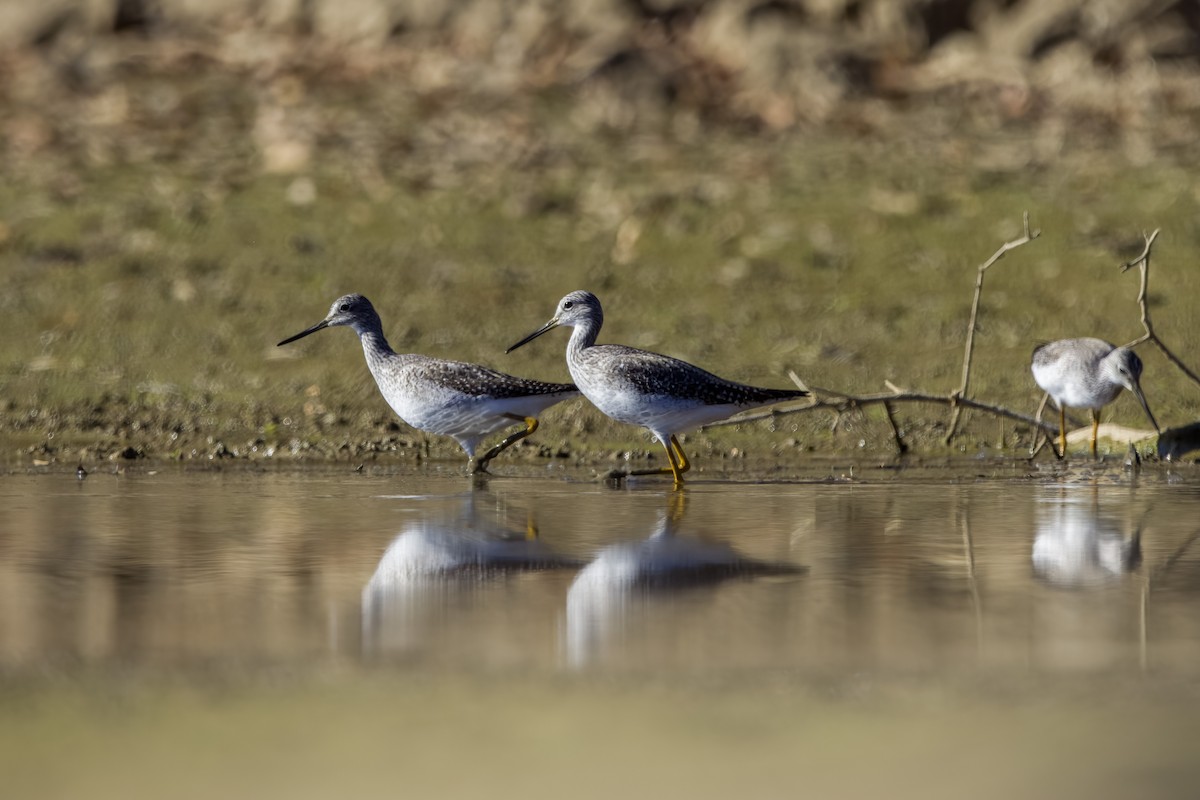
[
  {"x": 663, "y": 394},
  {"x": 450, "y": 398},
  {"x": 1087, "y": 373}
]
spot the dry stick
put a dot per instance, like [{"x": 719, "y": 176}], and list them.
[
  {"x": 1155, "y": 574},
  {"x": 1168, "y": 563},
  {"x": 961, "y": 391},
  {"x": 1038, "y": 441},
  {"x": 842, "y": 403},
  {"x": 976, "y": 605},
  {"x": 1143, "y": 262},
  {"x": 901, "y": 447},
  {"x": 1143, "y": 638}
]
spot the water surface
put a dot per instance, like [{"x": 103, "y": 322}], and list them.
[{"x": 379, "y": 598}]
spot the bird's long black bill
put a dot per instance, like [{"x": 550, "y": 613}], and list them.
[
  {"x": 1141, "y": 398},
  {"x": 551, "y": 325},
  {"x": 322, "y": 324}
]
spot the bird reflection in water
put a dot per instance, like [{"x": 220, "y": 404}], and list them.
[
  {"x": 438, "y": 565},
  {"x": 630, "y": 576},
  {"x": 1078, "y": 546}
]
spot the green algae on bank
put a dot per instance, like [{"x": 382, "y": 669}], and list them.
[{"x": 144, "y": 294}]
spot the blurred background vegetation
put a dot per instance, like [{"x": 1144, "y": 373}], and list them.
[{"x": 752, "y": 185}]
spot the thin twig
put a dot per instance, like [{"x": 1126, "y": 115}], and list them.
[
  {"x": 1153, "y": 575},
  {"x": 961, "y": 391},
  {"x": 901, "y": 447},
  {"x": 1158, "y": 572},
  {"x": 1143, "y": 640},
  {"x": 1143, "y": 263},
  {"x": 842, "y": 403},
  {"x": 969, "y": 552},
  {"x": 1038, "y": 441}
]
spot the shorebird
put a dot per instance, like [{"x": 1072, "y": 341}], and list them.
[
  {"x": 449, "y": 398},
  {"x": 613, "y": 589},
  {"x": 1076, "y": 545},
  {"x": 663, "y": 394},
  {"x": 1087, "y": 373}
]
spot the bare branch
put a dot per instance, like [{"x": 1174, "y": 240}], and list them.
[
  {"x": 1038, "y": 441},
  {"x": 901, "y": 447},
  {"x": 1143, "y": 263},
  {"x": 842, "y": 403},
  {"x": 969, "y": 558},
  {"x": 796, "y": 380},
  {"x": 961, "y": 391}
]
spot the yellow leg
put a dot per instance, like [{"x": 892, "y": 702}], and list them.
[
  {"x": 1062, "y": 431},
  {"x": 677, "y": 463},
  {"x": 675, "y": 509},
  {"x": 683, "y": 465},
  {"x": 1095, "y": 429},
  {"x": 531, "y": 425}
]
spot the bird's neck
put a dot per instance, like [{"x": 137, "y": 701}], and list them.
[
  {"x": 373, "y": 340},
  {"x": 583, "y": 336},
  {"x": 581, "y": 340}
]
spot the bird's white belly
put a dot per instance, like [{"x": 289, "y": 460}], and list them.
[
  {"x": 662, "y": 414},
  {"x": 446, "y": 412},
  {"x": 456, "y": 415},
  {"x": 1071, "y": 392}
]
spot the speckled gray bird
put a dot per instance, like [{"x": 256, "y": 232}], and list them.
[
  {"x": 1087, "y": 373},
  {"x": 660, "y": 393},
  {"x": 449, "y": 398}
]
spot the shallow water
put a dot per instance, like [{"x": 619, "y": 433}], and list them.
[{"x": 1072, "y": 593}]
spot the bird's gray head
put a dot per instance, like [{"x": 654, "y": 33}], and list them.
[
  {"x": 577, "y": 308},
  {"x": 1123, "y": 366},
  {"x": 351, "y": 309}
]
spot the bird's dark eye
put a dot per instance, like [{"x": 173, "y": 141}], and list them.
[
  {"x": 344, "y": 307},
  {"x": 568, "y": 303}
]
